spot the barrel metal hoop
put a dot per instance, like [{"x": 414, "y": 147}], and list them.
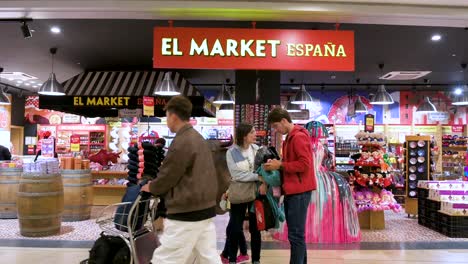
[
  {"x": 36, "y": 217},
  {"x": 25, "y": 194},
  {"x": 9, "y": 182}
]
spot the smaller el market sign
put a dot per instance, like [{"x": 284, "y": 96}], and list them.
[
  {"x": 253, "y": 49},
  {"x": 91, "y": 106}
]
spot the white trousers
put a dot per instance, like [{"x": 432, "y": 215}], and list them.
[{"x": 181, "y": 241}]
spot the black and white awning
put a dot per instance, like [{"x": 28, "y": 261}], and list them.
[
  {"x": 105, "y": 92},
  {"x": 123, "y": 83}
]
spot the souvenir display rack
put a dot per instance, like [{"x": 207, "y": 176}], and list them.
[{"x": 418, "y": 168}]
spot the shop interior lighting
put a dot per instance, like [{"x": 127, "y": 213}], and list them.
[
  {"x": 436, "y": 37},
  {"x": 293, "y": 108},
  {"x": 224, "y": 97},
  {"x": 302, "y": 97},
  {"x": 226, "y": 107},
  {"x": 382, "y": 97},
  {"x": 426, "y": 107},
  {"x": 55, "y": 30},
  {"x": 4, "y": 100},
  {"x": 52, "y": 86},
  {"x": 167, "y": 87},
  {"x": 458, "y": 91},
  {"x": 359, "y": 106},
  {"x": 462, "y": 99}
]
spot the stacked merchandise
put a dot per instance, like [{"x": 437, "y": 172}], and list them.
[
  {"x": 454, "y": 153},
  {"x": 133, "y": 164},
  {"x": 372, "y": 175},
  {"x": 256, "y": 115},
  {"x": 443, "y": 207},
  {"x": 44, "y": 166},
  {"x": 144, "y": 160},
  {"x": 332, "y": 214}
]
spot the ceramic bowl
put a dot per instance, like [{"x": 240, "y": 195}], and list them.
[
  {"x": 421, "y": 159},
  {"x": 413, "y": 145},
  {"x": 412, "y": 194},
  {"x": 412, "y": 177},
  {"x": 413, "y": 153},
  {"x": 421, "y": 169},
  {"x": 412, "y": 169},
  {"x": 413, "y": 161},
  {"x": 421, "y": 152},
  {"x": 421, "y": 143}
]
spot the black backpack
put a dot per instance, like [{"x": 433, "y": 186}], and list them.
[{"x": 109, "y": 250}]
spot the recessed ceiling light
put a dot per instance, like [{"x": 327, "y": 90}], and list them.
[
  {"x": 454, "y": 55},
  {"x": 32, "y": 82},
  {"x": 458, "y": 91},
  {"x": 35, "y": 86},
  {"x": 55, "y": 30},
  {"x": 19, "y": 81},
  {"x": 436, "y": 37},
  {"x": 27, "y": 84},
  {"x": 10, "y": 79}
]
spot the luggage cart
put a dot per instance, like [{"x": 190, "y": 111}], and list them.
[{"x": 133, "y": 222}]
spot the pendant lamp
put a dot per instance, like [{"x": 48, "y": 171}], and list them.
[
  {"x": 426, "y": 107},
  {"x": 293, "y": 108},
  {"x": 52, "y": 86},
  {"x": 166, "y": 87},
  {"x": 224, "y": 97},
  {"x": 382, "y": 97},
  {"x": 359, "y": 106},
  {"x": 302, "y": 97},
  {"x": 227, "y": 107},
  {"x": 4, "y": 100},
  {"x": 463, "y": 98}
]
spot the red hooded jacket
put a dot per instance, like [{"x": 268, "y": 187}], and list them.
[{"x": 298, "y": 171}]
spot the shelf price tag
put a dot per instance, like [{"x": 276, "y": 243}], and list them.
[
  {"x": 148, "y": 106},
  {"x": 75, "y": 143}
]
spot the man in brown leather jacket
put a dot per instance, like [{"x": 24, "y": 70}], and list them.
[{"x": 187, "y": 181}]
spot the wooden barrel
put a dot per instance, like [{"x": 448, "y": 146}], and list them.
[
  {"x": 40, "y": 204},
  {"x": 9, "y": 180},
  {"x": 78, "y": 194}
]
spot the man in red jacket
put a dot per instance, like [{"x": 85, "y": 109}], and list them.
[{"x": 298, "y": 179}]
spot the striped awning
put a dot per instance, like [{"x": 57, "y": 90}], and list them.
[
  {"x": 123, "y": 83},
  {"x": 112, "y": 84}
]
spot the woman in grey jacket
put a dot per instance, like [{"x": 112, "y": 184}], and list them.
[{"x": 240, "y": 159}]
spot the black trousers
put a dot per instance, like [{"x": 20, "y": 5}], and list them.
[
  {"x": 237, "y": 215},
  {"x": 227, "y": 246}
]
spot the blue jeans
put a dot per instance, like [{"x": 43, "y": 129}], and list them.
[{"x": 295, "y": 207}]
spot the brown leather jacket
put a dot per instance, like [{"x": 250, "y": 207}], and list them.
[{"x": 187, "y": 178}]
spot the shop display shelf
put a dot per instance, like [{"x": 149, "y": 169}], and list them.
[
  {"x": 108, "y": 173},
  {"x": 450, "y": 220},
  {"x": 454, "y": 232},
  {"x": 432, "y": 205},
  {"x": 455, "y": 147},
  {"x": 423, "y": 193}
]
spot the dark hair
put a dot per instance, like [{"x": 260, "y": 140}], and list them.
[
  {"x": 242, "y": 130},
  {"x": 277, "y": 114},
  {"x": 180, "y": 106}
]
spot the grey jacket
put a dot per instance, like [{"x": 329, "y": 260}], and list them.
[
  {"x": 239, "y": 166},
  {"x": 187, "y": 177}
]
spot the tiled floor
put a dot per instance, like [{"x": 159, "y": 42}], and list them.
[
  {"x": 403, "y": 241},
  {"x": 67, "y": 256}
]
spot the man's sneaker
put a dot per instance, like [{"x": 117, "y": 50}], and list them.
[
  {"x": 224, "y": 260},
  {"x": 256, "y": 262},
  {"x": 243, "y": 259}
]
